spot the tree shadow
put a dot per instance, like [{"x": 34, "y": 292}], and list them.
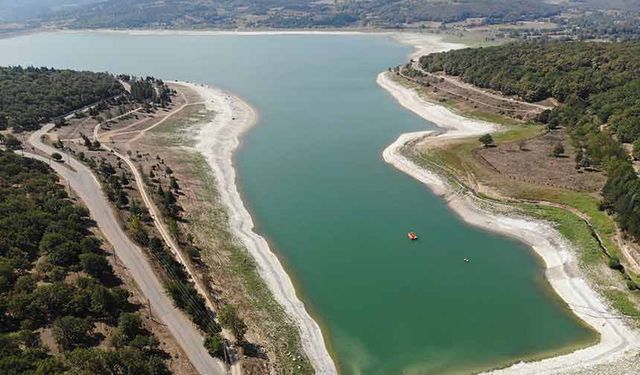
[{"x": 254, "y": 350}]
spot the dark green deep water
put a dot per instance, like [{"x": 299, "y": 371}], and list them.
[{"x": 311, "y": 173}]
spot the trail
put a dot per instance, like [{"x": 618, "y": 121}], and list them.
[{"x": 85, "y": 184}]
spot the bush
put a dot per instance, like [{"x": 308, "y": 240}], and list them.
[
  {"x": 614, "y": 263},
  {"x": 71, "y": 332},
  {"x": 56, "y": 156},
  {"x": 12, "y": 143},
  {"x": 95, "y": 265},
  {"x": 215, "y": 345},
  {"x": 486, "y": 140},
  {"x": 558, "y": 150},
  {"x": 229, "y": 319}
]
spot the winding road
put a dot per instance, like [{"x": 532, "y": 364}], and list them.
[{"x": 84, "y": 183}]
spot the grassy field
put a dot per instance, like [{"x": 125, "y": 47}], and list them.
[{"x": 231, "y": 269}]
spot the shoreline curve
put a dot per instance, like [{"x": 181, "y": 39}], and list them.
[
  {"x": 217, "y": 141},
  {"x": 617, "y": 338}
]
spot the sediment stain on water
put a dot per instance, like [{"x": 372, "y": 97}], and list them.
[{"x": 312, "y": 175}]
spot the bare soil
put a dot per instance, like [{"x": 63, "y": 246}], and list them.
[{"x": 532, "y": 161}]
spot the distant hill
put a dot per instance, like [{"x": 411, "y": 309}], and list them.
[
  {"x": 291, "y": 13},
  {"x": 19, "y": 10}
]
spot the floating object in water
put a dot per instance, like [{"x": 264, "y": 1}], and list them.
[
  {"x": 412, "y": 236},
  {"x": 467, "y": 260}
]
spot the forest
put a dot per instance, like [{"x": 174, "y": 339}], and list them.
[
  {"x": 31, "y": 96},
  {"x": 598, "y": 86},
  {"x": 55, "y": 281}
]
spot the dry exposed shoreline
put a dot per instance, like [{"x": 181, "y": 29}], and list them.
[
  {"x": 216, "y": 141},
  {"x": 617, "y": 339}
]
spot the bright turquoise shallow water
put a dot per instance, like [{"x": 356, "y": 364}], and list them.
[{"x": 312, "y": 174}]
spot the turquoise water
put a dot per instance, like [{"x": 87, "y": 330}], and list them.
[{"x": 312, "y": 175}]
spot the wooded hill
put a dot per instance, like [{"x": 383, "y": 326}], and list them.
[
  {"x": 32, "y": 96},
  {"x": 598, "y": 85},
  {"x": 54, "y": 278},
  {"x": 293, "y": 13}
]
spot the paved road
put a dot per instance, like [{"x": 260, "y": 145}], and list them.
[{"x": 84, "y": 183}]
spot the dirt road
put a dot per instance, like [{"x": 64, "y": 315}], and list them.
[{"x": 84, "y": 183}]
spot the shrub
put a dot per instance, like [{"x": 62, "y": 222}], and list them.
[
  {"x": 486, "y": 140},
  {"x": 215, "y": 345},
  {"x": 558, "y": 150},
  {"x": 614, "y": 263}
]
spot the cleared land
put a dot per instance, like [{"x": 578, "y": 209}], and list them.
[{"x": 532, "y": 161}]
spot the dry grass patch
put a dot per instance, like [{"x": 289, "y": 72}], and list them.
[{"x": 533, "y": 161}]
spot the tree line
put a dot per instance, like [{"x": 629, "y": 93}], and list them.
[
  {"x": 31, "y": 96},
  {"x": 598, "y": 85},
  {"x": 294, "y": 13}
]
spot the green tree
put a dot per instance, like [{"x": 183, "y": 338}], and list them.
[
  {"x": 11, "y": 142},
  {"x": 486, "y": 140},
  {"x": 95, "y": 265},
  {"x": 71, "y": 332},
  {"x": 228, "y": 316},
  {"x": 137, "y": 231},
  {"x": 215, "y": 345},
  {"x": 174, "y": 183}
]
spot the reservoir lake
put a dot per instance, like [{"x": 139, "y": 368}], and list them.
[{"x": 312, "y": 175}]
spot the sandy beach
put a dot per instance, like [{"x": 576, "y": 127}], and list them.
[
  {"x": 618, "y": 341},
  {"x": 216, "y": 141}
]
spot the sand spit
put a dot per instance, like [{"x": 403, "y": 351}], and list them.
[
  {"x": 216, "y": 141},
  {"x": 424, "y": 44},
  {"x": 617, "y": 339}
]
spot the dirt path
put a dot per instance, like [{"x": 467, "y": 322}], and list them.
[
  {"x": 88, "y": 188},
  {"x": 466, "y": 86},
  {"x": 154, "y": 212}
]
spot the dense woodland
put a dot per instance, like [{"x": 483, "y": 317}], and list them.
[
  {"x": 598, "y": 85},
  {"x": 31, "y": 96},
  {"x": 54, "y": 277}
]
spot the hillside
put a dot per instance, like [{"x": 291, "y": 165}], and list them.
[
  {"x": 598, "y": 85},
  {"x": 31, "y": 96},
  {"x": 293, "y": 13}
]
